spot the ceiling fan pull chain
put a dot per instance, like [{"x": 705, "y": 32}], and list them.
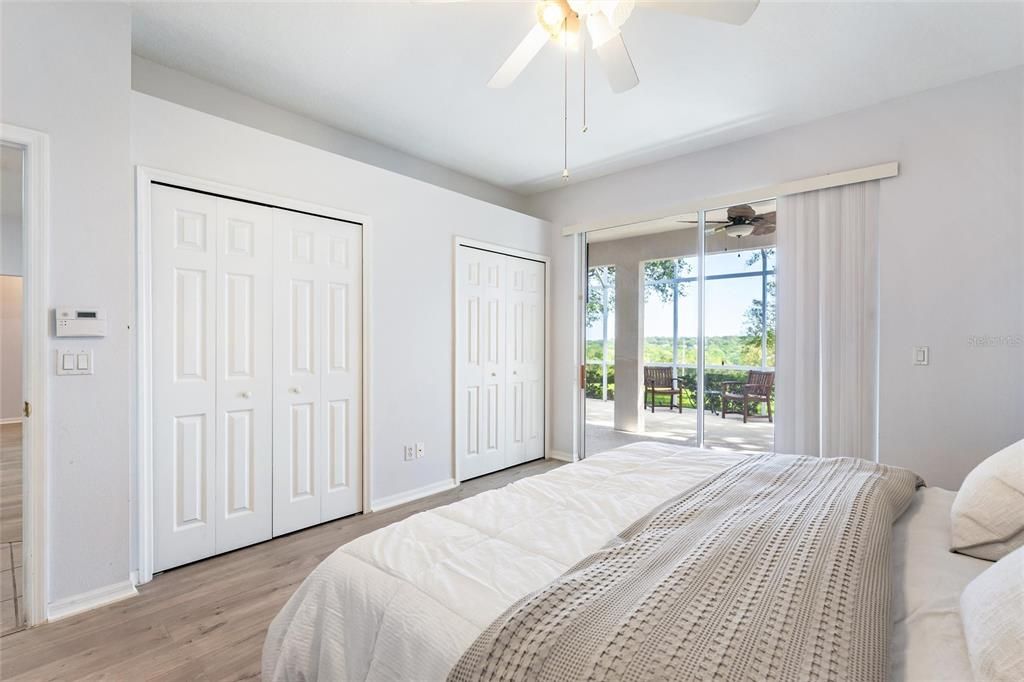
[
  {"x": 583, "y": 48},
  {"x": 565, "y": 104}
]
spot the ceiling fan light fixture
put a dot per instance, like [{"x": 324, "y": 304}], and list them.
[
  {"x": 739, "y": 230},
  {"x": 550, "y": 14},
  {"x": 560, "y": 22}
]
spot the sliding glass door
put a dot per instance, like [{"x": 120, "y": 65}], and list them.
[{"x": 680, "y": 342}]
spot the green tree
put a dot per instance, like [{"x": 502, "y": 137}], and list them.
[
  {"x": 755, "y": 322},
  {"x": 600, "y": 279},
  {"x": 658, "y": 276}
]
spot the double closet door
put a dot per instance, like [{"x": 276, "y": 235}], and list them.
[
  {"x": 499, "y": 350},
  {"x": 256, "y": 373}
]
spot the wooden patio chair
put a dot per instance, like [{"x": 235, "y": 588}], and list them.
[
  {"x": 757, "y": 389},
  {"x": 660, "y": 381}
]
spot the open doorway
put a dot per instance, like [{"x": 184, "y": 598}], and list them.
[{"x": 12, "y": 582}]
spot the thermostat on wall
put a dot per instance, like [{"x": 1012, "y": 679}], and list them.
[{"x": 81, "y": 322}]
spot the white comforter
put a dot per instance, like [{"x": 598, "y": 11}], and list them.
[{"x": 404, "y": 602}]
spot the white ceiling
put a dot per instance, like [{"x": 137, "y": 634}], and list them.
[{"x": 412, "y": 75}]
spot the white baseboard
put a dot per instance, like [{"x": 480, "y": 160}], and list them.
[
  {"x": 560, "y": 456},
  {"x": 93, "y": 599},
  {"x": 412, "y": 495}
]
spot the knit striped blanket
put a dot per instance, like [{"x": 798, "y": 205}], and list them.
[{"x": 775, "y": 569}]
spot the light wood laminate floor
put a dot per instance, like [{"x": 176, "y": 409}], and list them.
[{"x": 207, "y": 620}]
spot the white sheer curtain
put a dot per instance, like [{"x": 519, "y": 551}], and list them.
[{"x": 827, "y": 322}]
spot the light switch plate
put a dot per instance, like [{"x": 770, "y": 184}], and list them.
[
  {"x": 74, "y": 361},
  {"x": 921, "y": 354}
]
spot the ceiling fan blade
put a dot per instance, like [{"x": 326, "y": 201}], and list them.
[
  {"x": 617, "y": 65},
  {"x": 520, "y": 57},
  {"x": 728, "y": 11}
]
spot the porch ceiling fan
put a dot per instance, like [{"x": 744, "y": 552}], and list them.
[
  {"x": 564, "y": 22},
  {"x": 741, "y": 221}
]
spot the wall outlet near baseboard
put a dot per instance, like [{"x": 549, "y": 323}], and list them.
[{"x": 419, "y": 450}]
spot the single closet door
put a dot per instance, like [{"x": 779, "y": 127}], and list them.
[
  {"x": 317, "y": 370},
  {"x": 525, "y": 361},
  {"x": 243, "y": 495},
  {"x": 184, "y": 262},
  {"x": 480, "y": 320}
]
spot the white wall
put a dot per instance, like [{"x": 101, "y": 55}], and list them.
[
  {"x": 66, "y": 72},
  {"x": 414, "y": 225},
  {"x": 176, "y": 86},
  {"x": 952, "y": 244}
]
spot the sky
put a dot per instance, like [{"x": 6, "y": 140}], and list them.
[{"x": 726, "y": 302}]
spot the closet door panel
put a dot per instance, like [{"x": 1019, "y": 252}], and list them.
[
  {"x": 525, "y": 367},
  {"x": 534, "y": 359},
  {"x": 318, "y": 370},
  {"x": 244, "y": 374},
  {"x": 184, "y": 231},
  {"x": 342, "y": 385},
  {"x": 297, "y": 353},
  {"x": 480, "y": 348}
]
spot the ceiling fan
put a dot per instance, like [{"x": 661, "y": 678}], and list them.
[
  {"x": 741, "y": 221},
  {"x": 564, "y": 21}
]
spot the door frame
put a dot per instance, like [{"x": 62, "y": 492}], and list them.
[
  {"x": 143, "y": 460},
  {"x": 458, "y": 242},
  {"x": 35, "y": 364}
]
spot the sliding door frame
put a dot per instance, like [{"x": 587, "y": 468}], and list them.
[
  {"x": 145, "y": 177},
  {"x": 652, "y": 223}
]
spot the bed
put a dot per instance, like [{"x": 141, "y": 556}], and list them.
[{"x": 406, "y": 601}]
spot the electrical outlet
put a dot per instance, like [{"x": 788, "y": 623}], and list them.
[
  {"x": 410, "y": 453},
  {"x": 419, "y": 449}
]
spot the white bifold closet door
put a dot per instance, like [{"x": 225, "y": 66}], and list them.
[
  {"x": 317, "y": 370},
  {"x": 212, "y": 379},
  {"x": 257, "y": 373},
  {"x": 499, "y": 349}
]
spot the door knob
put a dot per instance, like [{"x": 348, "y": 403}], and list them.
[
  {"x": 515, "y": 373},
  {"x": 246, "y": 394},
  {"x": 296, "y": 390},
  {"x": 494, "y": 374}
]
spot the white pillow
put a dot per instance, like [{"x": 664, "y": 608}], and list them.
[
  {"x": 992, "y": 612},
  {"x": 988, "y": 512}
]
